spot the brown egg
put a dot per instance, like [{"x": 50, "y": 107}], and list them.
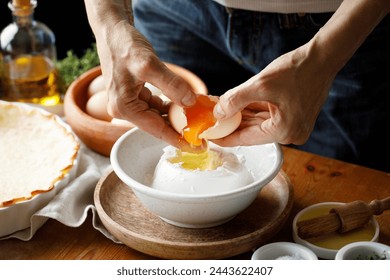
[
  {"x": 97, "y": 85},
  {"x": 97, "y": 106}
]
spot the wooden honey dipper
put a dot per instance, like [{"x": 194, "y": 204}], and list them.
[{"x": 343, "y": 218}]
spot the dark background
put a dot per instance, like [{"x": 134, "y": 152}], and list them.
[{"x": 67, "y": 19}]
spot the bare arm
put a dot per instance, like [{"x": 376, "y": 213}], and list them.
[
  {"x": 347, "y": 29},
  {"x": 128, "y": 61},
  {"x": 282, "y": 102}
]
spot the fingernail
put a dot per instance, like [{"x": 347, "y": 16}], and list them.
[
  {"x": 188, "y": 100},
  {"x": 218, "y": 112}
]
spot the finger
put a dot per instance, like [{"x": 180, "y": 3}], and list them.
[
  {"x": 146, "y": 112},
  {"x": 151, "y": 122},
  {"x": 172, "y": 85},
  {"x": 154, "y": 101},
  {"x": 236, "y": 99},
  {"x": 250, "y": 135}
]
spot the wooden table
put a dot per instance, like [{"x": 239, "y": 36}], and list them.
[{"x": 315, "y": 179}]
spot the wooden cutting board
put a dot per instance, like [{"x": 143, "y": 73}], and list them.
[{"x": 126, "y": 219}]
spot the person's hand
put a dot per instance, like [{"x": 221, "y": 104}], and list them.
[
  {"x": 127, "y": 62},
  {"x": 280, "y": 104}
]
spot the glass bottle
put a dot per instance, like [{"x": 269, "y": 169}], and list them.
[
  {"x": 1, "y": 75},
  {"x": 29, "y": 54}
]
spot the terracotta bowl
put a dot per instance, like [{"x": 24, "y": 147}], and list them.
[{"x": 101, "y": 135}]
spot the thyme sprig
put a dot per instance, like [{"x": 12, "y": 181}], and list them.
[{"x": 72, "y": 66}]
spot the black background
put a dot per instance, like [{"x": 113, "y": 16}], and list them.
[{"x": 67, "y": 19}]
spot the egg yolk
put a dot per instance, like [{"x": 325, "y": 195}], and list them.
[{"x": 199, "y": 118}]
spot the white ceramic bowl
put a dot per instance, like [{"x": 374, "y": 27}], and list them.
[
  {"x": 135, "y": 155},
  {"x": 339, "y": 240},
  {"x": 283, "y": 251},
  {"x": 364, "y": 250}
]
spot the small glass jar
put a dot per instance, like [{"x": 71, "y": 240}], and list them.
[{"x": 28, "y": 58}]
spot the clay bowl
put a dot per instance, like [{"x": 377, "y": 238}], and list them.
[{"x": 101, "y": 135}]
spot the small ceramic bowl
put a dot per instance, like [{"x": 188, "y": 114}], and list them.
[
  {"x": 100, "y": 135},
  {"x": 134, "y": 158},
  {"x": 326, "y": 247},
  {"x": 364, "y": 250},
  {"x": 284, "y": 251}
]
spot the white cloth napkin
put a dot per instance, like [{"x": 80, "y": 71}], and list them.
[{"x": 72, "y": 204}]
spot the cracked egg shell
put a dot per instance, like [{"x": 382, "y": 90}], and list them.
[{"x": 219, "y": 130}]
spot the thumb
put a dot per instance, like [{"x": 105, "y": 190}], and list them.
[{"x": 235, "y": 100}]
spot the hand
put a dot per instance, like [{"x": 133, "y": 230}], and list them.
[
  {"x": 281, "y": 103},
  {"x": 128, "y": 61}
]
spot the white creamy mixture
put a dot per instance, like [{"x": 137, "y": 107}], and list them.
[{"x": 172, "y": 177}]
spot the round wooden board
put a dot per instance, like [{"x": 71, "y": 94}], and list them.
[{"x": 126, "y": 219}]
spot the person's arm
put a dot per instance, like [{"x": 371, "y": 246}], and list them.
[
  {"x": 347, "y": 29},
  {"x": 282, "y": 102},
  {"x": 128, "y": 61}
]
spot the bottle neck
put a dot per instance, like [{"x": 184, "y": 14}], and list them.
[{"x": 22, "y": 10}]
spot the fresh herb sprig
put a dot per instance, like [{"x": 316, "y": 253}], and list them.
[
  {"x": 72, "y": 66},
  {"x": 372, "y": 256}
]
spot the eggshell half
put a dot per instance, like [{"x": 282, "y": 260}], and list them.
[{"x": 221, "y": 128}]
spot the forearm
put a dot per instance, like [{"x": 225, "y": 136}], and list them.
[
  {"x": 103, "y": 15},
  {"x": 346, "y": 31}
]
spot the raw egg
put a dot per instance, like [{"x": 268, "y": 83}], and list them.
[
  {"x": 198, "y": 122},
  {"x": 96, "y": 85},
  {"x": 97, "y": 106}
]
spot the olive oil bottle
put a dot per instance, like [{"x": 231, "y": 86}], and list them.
[{"x": 28, "y": 58}]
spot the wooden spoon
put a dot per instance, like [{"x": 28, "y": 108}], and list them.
[{"x": 342, "y": 218}]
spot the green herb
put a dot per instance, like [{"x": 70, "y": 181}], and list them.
[
  {"x": 72, "y": 66},
  {"x": 372, "y": 256}
]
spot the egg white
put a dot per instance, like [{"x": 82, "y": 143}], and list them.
[{"x": 171, "y": 177}]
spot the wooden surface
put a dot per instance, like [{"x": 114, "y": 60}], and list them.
[
  {"x": 315, "y": 179},
  {"x": 125, "y": 217}
]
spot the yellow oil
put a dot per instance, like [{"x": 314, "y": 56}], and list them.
[
  {"x": 31, "y": 79},
  {"x": 335, "y": 241},
  {"x": 208, "y": 160}
]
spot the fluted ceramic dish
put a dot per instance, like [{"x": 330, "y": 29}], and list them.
[{"x": 16, "y": 217}]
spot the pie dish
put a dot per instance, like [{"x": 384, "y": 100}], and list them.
[{"x": 39, "y": 156}]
